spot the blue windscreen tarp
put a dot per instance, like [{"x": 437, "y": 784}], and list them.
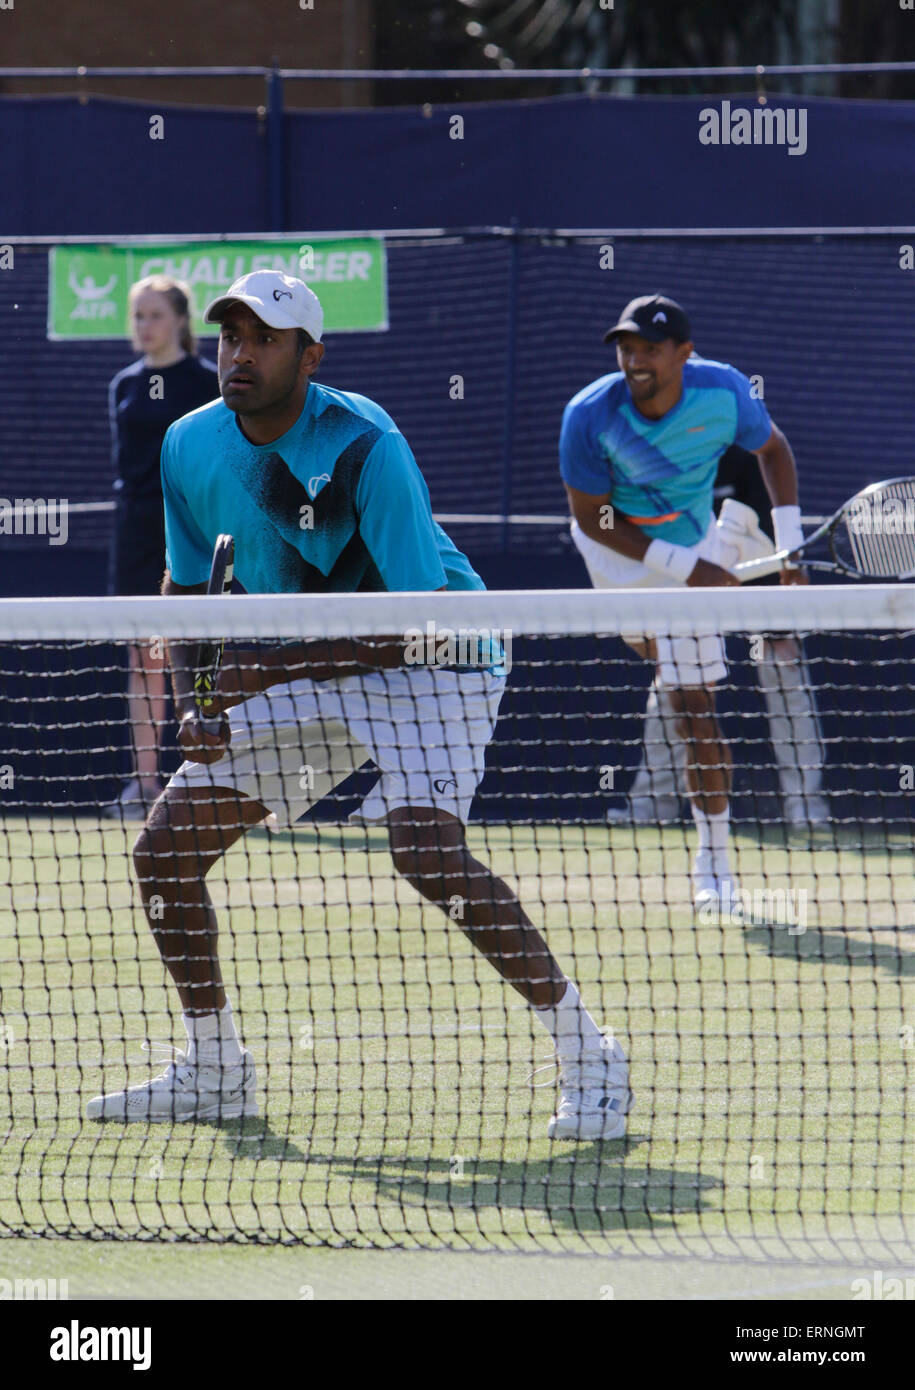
[{"x": 69, "y": 168}]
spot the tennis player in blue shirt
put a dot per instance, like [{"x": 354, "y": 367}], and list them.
[
  {"x": 639, "y": 452},
  {"x": 322, "y": 494}
]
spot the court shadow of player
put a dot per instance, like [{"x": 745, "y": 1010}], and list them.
[
  {"x": 594, "y": 1190},
  {"x": 826, "y": 946},
  {"x": 254, "y": 1138},
  {"x": 887, "y": 837}
]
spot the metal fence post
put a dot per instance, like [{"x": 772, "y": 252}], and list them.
[
  {"x": 508, "y": 435},
  {"x": 276, "y": 179}
]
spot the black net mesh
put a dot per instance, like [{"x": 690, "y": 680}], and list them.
[{"x": 393, "y": 1072}]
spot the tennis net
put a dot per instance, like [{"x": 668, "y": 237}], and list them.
[{"x": 400, "y": 1101}]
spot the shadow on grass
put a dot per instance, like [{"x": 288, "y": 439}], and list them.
[
  {"x": 592, "y": 1188},
  {"x": 834, "y": 945},
  {"x": 829, "y": 946},
  {"x": 881, "y": 837},
  {"x": 253, "y": 1138}
]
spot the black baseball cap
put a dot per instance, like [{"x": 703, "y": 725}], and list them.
[{"x": 653, "y": 316}]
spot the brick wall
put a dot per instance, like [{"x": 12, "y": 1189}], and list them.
[{"x": 189, "y": 33}]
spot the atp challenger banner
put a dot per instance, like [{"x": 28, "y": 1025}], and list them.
[{"x": 88, "y": 285}]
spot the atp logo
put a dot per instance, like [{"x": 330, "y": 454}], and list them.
[
  {"x": 315, "y": 484},
  {"x": 282, "y": 294},
  {"x": 93, "y": 301}
]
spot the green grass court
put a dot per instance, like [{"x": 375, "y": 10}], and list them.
[{"x": 770, "y": 1065}]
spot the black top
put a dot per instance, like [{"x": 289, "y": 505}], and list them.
[
  {"x": 739, "y": 477},
  {"x": 139, "y": 419}
]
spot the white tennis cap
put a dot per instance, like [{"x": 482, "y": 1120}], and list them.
[{"x": 280, "y": 300}]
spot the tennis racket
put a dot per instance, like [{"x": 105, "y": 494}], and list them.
[
  {"x": 871, "y": 537},
  {"x": 208, "y": 658}
]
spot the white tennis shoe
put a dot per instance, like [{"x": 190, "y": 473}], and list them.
[
  {"x": 594, "y": 1096},
  {"x": 183, "y": 1092},
  {"x": 717, "y": 896}
]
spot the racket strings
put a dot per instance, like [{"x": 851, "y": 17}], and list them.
[{"x": 878, "y": 536}]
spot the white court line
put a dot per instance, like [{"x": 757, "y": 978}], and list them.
[{"x": 773, "y": 1291}]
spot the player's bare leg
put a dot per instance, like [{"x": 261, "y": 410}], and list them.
[
  {"x": 429, "y": 849},
  {"x": 708, "y": 765},
  {"x": 709, "y": 775},
  {"x": 660, "y": 784},
  {"x": 188, "y": 830},
  {"x": 708, "y": 760}
]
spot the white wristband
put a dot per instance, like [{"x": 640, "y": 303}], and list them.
[
  {"x": 674, "y": 561},
  {"x": 789, "y": 534}
]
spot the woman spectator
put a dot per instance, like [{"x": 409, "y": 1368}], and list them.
[{"x": 168, "y": 381}]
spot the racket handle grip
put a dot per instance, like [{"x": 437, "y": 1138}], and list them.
[
  {"x": 758, "y": 569},
  {"x": 211, "y": 724}
]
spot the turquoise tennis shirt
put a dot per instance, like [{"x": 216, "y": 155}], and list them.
[
  {"x": 336, "y": 505},
  {"x": 660, "y": 473}
]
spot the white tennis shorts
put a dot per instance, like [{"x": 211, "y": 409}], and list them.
[
  {"x": 425, "y": 728},
  {"x": 682, "y": 661}
]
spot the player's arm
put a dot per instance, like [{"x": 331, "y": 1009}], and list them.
[
  {"x": 597, "y": 519},
  {"x": 195, "y": 743},
  {"x": 246, "y": 673},
  {"x": 779, "y": 473},
  {"x": 599, "y": 522},
  {"x": 186, "y": 551},
  {"x": 180, "y": 654},
  {"x": 395, "y": 522},
  {"x": 190, "y": 554},
  {"x": 776, "y": 464},
  {"x": 396, "y": 525},
  {"x": 584, "y": 469}
]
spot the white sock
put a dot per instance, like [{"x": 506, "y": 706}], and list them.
[
  {"x": 211, "y": 1039},
  {"x": 713, "y": 831},
  {"x": 571, "y": 1026}
]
